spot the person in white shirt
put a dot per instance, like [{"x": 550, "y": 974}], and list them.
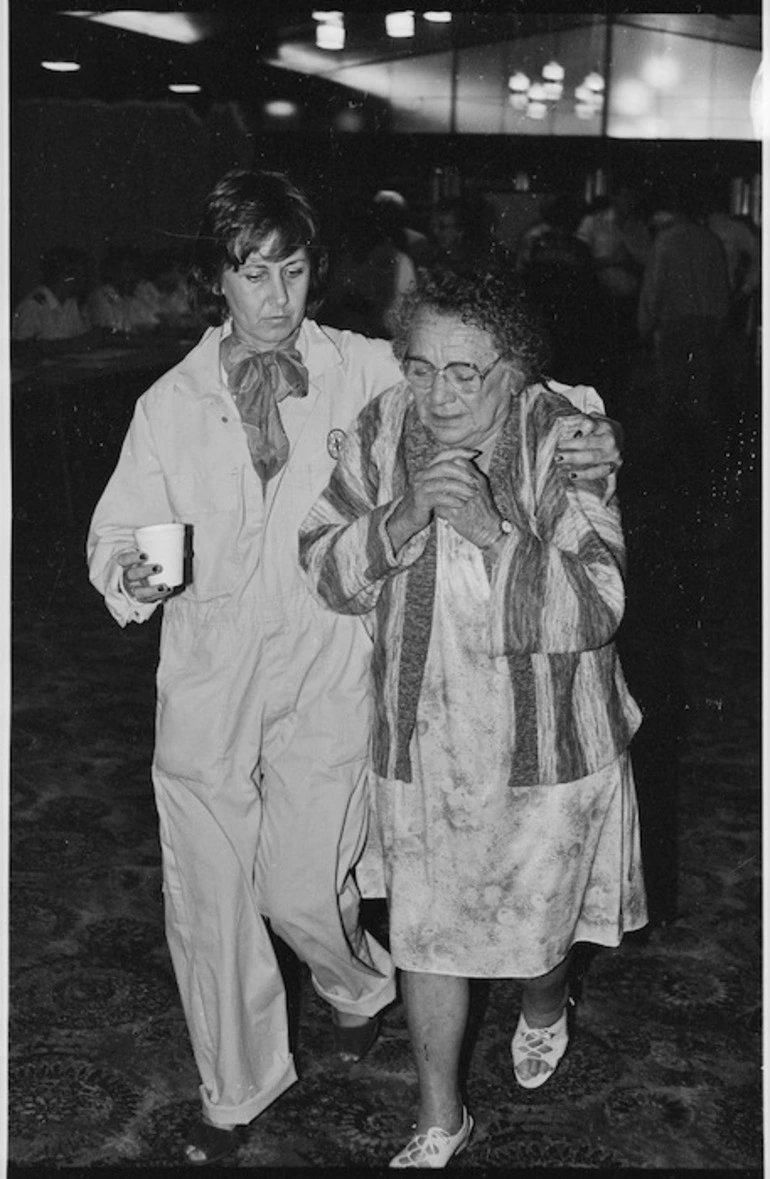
[
  {"x": 115, "y": 305},
  {"x": 51, "y": 311}
]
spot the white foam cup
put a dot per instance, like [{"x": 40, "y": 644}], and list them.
[{"x": 164, "y": 545}]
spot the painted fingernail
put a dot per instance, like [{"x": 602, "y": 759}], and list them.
[
  {"x": 157, "y": 568},
  {"x": 142, "y": 556},
  {"x": 559, "y": 458}
]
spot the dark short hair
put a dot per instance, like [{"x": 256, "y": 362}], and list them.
[
  {"x": 494, "y": 302},
  {"x": 243, "y": 210}
]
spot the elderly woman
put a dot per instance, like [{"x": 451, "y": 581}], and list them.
[{"x": 503, "y": 796}]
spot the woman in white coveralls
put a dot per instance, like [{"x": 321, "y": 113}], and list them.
[{"x": 263, "y": 708}]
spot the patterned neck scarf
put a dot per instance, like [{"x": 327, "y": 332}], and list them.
[{"x": 258, "y": 381}]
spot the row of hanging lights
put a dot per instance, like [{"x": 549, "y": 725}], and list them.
[
  {"x": 533, "y": 98},
  {"x": 330, "y": 26}
]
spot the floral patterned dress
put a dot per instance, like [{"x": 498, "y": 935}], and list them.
[{"x": 485, "y": 880}]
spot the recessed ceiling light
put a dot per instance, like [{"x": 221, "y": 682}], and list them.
[
  {"x": 330, "y": 36},
  {"x": 167, "y": 26},
  {"x": 438, "y": 18},
  {"x": 281, "y": 108},
  {"x": 400, "y": 24},
  {"x": 61, "y": 67},
  {"x": 184, "y": 87}
]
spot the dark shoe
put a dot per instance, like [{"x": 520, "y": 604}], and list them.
[
  {"x": 208, "y": 1144},
  {"x": 352, "y": 1044}
]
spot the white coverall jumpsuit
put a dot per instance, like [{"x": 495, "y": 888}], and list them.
[{"x": 262, "y": 711}]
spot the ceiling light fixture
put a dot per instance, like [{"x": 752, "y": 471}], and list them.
[
  {"x": 518, "y": 83},
  {"x": 61, "y": 67},
  {"x": 589, "y": 98},
  {"x": 400, "y": 24},
  {"x": 553, "y": 80},
  {"x": 438, "y": 18},
  {"x": 553, "y": 72},
  {"x": 184, "y": 88},
  {"x": 330, "y": 35},
  {"x": 181, "y": 27},
  {"x": 330, "y": 29},
  {"x": 281, "y": 108},
  {"x": 537, "y": 110}
]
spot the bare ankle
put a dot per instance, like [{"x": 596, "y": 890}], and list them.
[
  {"x": 448, "y": 1116},
  {"x": 539, "y": 1014}
]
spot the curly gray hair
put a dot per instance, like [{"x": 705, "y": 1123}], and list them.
[{"x": 493, "y": 302}]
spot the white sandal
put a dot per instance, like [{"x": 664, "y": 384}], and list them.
[
  {"x": 435, "y": 1147},
  {"x": 543, "y": 1044}
]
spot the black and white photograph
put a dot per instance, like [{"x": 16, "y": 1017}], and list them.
[{"x": 384, "y": 610}]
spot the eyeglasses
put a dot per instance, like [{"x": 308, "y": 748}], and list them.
[{"x": 462, "y": 378}]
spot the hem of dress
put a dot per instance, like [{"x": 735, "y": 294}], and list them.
[{"x": 605, "y": 944}]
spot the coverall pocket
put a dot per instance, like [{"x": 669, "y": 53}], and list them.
[
  {"x": 191, "y": 703},
  {"x": 210, "y": 504}
]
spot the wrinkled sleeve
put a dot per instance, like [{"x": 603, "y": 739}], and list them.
[
  {"x": 135, "y": 495},
  {"x": 557, "y": 583},
  {"x": 344, "y": 546}
]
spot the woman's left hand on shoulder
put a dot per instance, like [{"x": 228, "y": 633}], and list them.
[{"x": 589, "y": 447}]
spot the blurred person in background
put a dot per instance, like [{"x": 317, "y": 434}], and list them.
[
  {"x": 114, "y": 305},
  {"x": 743, "y": 255},
  {"x": 557, "y": 268},
  {"x": 52, "y": 312},
  {"x": 683, "y": 308},
  {"x": 449, "y": 243},
  {"x": 462, "y": 237},
  {"x": 392, "y": 209},
  {"x": 369, "y": 272},
  {"x": 164, "y": 291},
  {"x": 616, "y": 232}
]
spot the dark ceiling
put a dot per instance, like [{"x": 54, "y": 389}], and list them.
[{"x": 230, "y": 63}]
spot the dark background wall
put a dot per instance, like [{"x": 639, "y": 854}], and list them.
[{"x": 91, "y": 173}]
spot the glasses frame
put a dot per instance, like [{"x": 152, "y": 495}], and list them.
[{"x": 439, "y": 372}]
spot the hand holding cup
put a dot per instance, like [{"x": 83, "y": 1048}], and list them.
[{"x": 156, "y": 567}]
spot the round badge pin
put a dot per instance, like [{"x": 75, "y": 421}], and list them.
[{"x": 334, "y": 443}]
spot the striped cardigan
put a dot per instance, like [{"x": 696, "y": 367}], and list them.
[{"x": 557, "y": 593}]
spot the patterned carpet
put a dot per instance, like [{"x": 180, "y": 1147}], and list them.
[{"x": 664, "y": 1066}]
